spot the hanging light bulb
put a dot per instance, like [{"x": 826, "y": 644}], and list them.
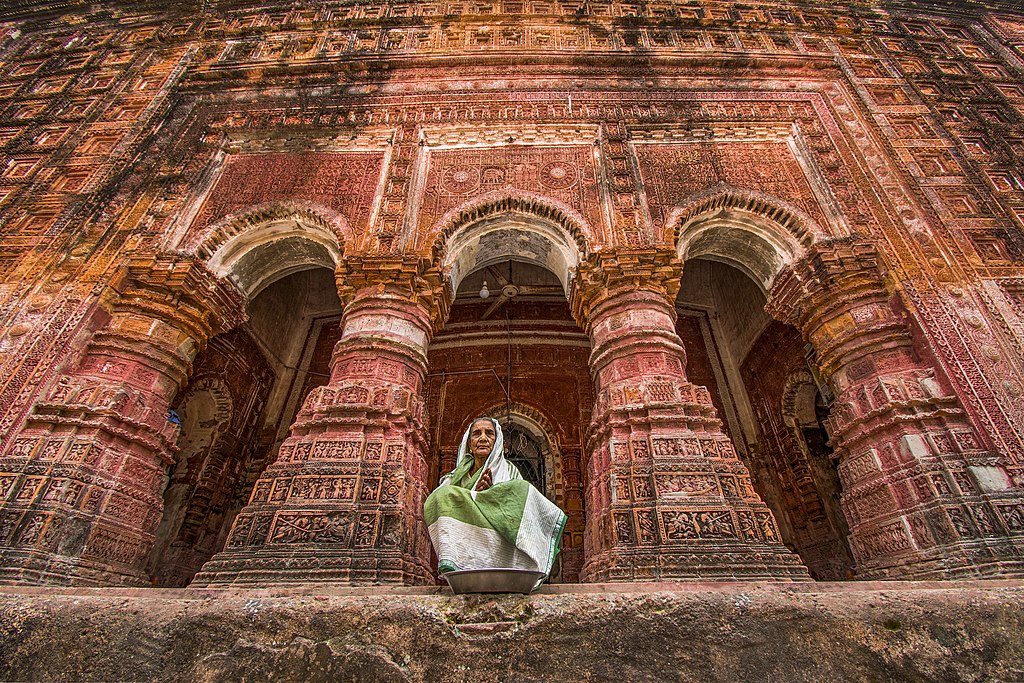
[{"x": 484, "y": 292}]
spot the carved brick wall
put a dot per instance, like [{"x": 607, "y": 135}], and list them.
[
  {"x": 128, "y": 130},
  {"x": 345, "y": 183},
  {"x": 802, "y": 495}
]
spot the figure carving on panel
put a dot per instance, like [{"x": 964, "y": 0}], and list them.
[{"x": 484, "y": 515}]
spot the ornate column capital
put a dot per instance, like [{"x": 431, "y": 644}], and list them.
[
  {"x": 609, "y": 273},
  {"x": 836, "y": 296},
  {"x": 409, "y": 278},
  {"x": 625, "y": 300}
]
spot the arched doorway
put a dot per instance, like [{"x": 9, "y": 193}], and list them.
[
  {"x": 511, "y": 349},
  {"x": 758, "y": 375},
  {"x": 248, "y": 385},
  {"x": 523, "y": 361},
  {"x": 245, "y": 391},
  {"x": 733, "y": 243},
  {"x": 206, "y": 483}
]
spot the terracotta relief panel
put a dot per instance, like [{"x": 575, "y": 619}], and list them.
[
  {"x": 673, "y": 172},
  {"x": 344, "y": 182},
  {"x": 565, "y": 173}
]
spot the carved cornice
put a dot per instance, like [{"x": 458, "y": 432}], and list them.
[
  {"x": 412, "y": 278},
  {"x": 612, "y": 272},
  {"x": 180, "y": 290},
  {"x": 832, "y": 275}
]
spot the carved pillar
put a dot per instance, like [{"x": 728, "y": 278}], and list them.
[
  {"x": 667, "y": 496},
  {"x": 343, "y": 502},
  {"x": 920, "y": 490},
  {"x": 81, "y": 486}
]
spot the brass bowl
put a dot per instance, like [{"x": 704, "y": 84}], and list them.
[{"x": 493, "y": 580}]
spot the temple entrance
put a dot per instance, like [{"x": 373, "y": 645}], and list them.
[
  {"x": 245, "y": 391},
  {"x": 516, "y": 354},
  {"x": 762, "y": 384}
]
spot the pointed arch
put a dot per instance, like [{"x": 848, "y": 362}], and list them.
[
  {"x": 266, "y": 242},
  {"x": 511, "y": 224},
  {"x": 752, "y": 231}
]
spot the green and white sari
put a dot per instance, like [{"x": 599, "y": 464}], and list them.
[{"x": 511, "y": 525}]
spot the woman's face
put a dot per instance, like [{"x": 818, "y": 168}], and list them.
[{"x": 481, "y": 438}]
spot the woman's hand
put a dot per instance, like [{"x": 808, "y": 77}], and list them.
[{"x": 484, "y": 482}]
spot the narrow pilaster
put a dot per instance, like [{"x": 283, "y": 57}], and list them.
[
  {"x": 920, "y": 486},
  {"x": 343, "y": 501},
  {"x": 82, "y": 482},
  {"x": 667, "y": 497}
]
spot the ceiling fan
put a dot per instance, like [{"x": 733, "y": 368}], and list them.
[{"x": 510, "y": 290}]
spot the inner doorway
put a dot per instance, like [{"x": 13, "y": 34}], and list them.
[{"x": 525, "y": 451}]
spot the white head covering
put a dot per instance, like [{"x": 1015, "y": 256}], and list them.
[
  {"x": 501, "y": 469},
  {"x": 496, "y": 458}
]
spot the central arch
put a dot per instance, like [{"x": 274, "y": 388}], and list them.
[
  {"x": 521, "y": 225},
  {"x": 517, "y": 355},
  {"x": 533, "y": 422}
]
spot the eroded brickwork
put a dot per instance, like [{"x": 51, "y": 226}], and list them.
[{"x": 161, "y": 169}]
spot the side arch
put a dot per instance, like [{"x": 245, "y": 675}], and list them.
[
  {"x": 798, "y": 399},
  {"x": 754, "y": 232},
  {"x": 511, "y": 224},
  {"x": 267, "y": 242}
]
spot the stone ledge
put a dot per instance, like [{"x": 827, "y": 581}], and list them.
[
  {"x": 547, "y": 589},
  {"x": 853, "y": 631}
]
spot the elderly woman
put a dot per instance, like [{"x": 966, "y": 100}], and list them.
[{"x": 484, "y": 515}]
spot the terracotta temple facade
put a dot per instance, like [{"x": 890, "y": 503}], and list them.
[{"x": 744, "y": 283}]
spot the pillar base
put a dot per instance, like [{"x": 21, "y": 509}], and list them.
[
  {"x": 46, "y": 569},
  {"x": 718, "y": 562},
  {"x": 312, "y": 566},
  {"x": 969, "y": 559}
]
